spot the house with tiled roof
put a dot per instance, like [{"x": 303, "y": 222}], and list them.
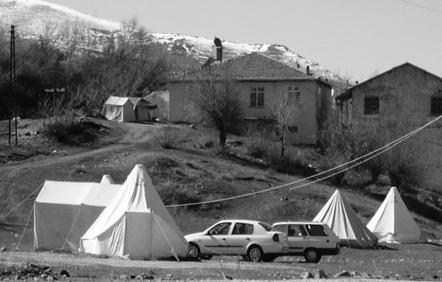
[
  {"x": 404, "y": 96},
  {"x": 259, "y": 80}
]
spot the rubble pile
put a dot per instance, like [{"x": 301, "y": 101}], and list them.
[{"x": 31, "y": 271}]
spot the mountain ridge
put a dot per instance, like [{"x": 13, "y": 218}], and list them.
[{"x": 35, "y": 17}]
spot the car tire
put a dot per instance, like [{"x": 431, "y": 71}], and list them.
[
  {"x": 255, "y": 253},
  {"x": 193, "y": 251},
  {"x": 312, "y": 255},
  {"x": 269, "y": 258}
]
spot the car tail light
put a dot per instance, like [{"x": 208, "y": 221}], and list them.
[{"x": 275, "y": 238}]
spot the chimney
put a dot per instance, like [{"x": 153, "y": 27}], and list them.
[
  {"x": 307, "y": 70},
  {"x": 218, "y": 49}
]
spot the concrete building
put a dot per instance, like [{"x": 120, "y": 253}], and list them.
[
  {"x": 404, "y": 96},
  {"x": 259, "y": 81}
]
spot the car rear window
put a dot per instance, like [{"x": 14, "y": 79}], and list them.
[
  {"x": 266, "y": 226},
  {"x": 281, "y": 228},
  {"x": 316, "y": 230}
]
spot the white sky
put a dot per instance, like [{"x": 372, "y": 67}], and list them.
[{"x": 353, "y": 37}]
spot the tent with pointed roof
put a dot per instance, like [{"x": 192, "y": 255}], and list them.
[
  {"x": 107, "y": 179},
  {"x": 341, "y": 218},
  {"x": 63, "y": 211},
  {"x": 136, "y": 224},
  {"x": 393, "y": 223}
]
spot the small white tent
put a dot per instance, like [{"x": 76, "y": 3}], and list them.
[
  {"x": 107, "y": 179},
  {"x": 136, "y": 224},
  {"x": 119, "y": 109},
  {"x": 341, "y": 218},
  {"x": 392, "y": 223},
  {"x": 63, "y": 211}
]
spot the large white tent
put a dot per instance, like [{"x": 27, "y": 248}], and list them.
[
  {"x": 393, "y": 223},
  {"x": 341, "y": 218},
  {"x": 136, "y": 224},
  {"x": 63, "y": 211}
]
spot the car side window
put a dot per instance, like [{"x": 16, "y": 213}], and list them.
[
  {"x": 220, "y": 229},
  {"x": 316, "y": 230},
  {"x": 242, "y": 229},
  {"x": 296, "y": 231}
]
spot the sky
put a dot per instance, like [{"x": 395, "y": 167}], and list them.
[{"x": 356, "y": 38}]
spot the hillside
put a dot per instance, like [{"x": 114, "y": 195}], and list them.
[
  {"x": 193, "y": 171},
  {"x": 35, "y": 17}
]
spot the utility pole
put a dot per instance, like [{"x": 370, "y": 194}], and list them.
[
  {"x": 14, "y": 82},
  {"x": 12, "y": 85}
]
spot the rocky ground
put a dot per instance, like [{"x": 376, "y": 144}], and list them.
[{"x": 400, "y": 262}]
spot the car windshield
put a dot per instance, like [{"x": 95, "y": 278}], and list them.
[{"x": 266, "y": 226}]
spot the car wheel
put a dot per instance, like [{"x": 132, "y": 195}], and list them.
[
  {"x": 193, "y": 251},
  {"x": 312, "y": 255},
  {"x": 254, "y": 253}
]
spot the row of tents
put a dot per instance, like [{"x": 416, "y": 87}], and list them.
[
  {"x": 131, "y": 220},
  {"x": 154, "y": 106},
  {"x": 392, "y": 222}
]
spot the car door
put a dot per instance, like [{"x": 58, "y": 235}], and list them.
[
  {"x": 319, "y": 237},
  {"x": 213, "y": 242},
  {"x": 239, "y": 238},
  {"x": 297, "y": 237}
]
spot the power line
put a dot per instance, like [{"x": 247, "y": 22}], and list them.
[
  {"x": 369, "y": 156},
  {"x": 421, "y": 6}
]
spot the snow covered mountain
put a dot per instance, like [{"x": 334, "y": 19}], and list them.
[{"x": 35, "y": 17}]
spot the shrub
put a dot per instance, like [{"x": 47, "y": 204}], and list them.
[
  {"x": 167, "y": 138},
  {"x": 65, "y": 129},
  {"x": 257, "y": 148}
]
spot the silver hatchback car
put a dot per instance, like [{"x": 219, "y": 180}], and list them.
[
  {"x": 309, "y": 239},
  {"x": 253, "y": 240}
]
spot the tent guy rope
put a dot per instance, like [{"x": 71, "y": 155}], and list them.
[{"x": 369, "y": 156}]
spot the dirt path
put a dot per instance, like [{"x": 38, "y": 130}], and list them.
[{"x": 134, "y": 133}]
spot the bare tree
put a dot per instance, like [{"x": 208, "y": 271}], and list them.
[
  {"x": 285, "y": 109},
  {"x": 217, "y": 102}
]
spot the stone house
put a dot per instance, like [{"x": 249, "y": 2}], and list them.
[
  {"x": 404, "y": 96},
  {"x": 259, "y": 81}
]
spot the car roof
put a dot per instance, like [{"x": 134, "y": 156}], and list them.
[
  {"x": 299, "y": 222},
  {"x": 241, "y": 220}
]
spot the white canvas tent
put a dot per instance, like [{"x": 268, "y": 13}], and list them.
[
  {"x": 107, "y": 179},
  {"x": 393, "y": 223},
  {"x": 63, "y": 211},
  {"x": 126, "y": 109},
  {"x": 118, "y": 109},
  {"x": 136, "y": 224},
  {"x": 341, "y": 218}
]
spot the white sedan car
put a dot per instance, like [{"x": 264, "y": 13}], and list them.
[{"x": 253, "y": 240}]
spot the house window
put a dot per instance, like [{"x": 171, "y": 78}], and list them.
[
  {"x": 436, "y": 106},
  {"x": 256, "y": 96},
  {"x": 293, "y": 94},
  {"x": 293, "y": 129},
  {"x": 371, "y": 105}
]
